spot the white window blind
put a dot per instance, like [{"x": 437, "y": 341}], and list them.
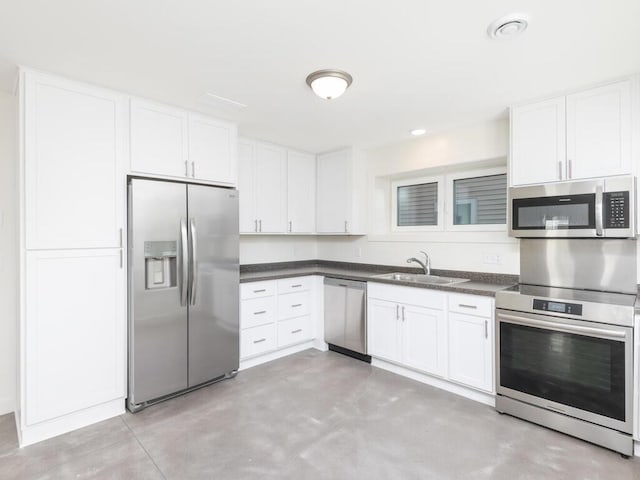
[
  {"x": 480, "y": 200},
  {"x": 417, "y": 204}
]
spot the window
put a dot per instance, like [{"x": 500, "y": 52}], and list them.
[
  {"x": 417, "y": 204},
  {"x": 480, "y": 200},
  {"x": 471, "y": 200}
]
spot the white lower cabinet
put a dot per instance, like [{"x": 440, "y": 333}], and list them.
[
  {"x": 443, "y": 334},
  {"x": 275, "y": 314},
  {"x": 75, "y": 326},
  {"x": 411, "y": 334}
]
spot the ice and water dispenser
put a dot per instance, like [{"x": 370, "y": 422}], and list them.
[{"x": 160, "y": 260}]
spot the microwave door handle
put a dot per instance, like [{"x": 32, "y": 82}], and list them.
[
  {"x": 599, "y": 212},
  {"x": 566, "y": 328},
  {"x": 183, "y": 267}
]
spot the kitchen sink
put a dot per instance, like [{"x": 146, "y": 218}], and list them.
[{"x": 421, "y": 278}]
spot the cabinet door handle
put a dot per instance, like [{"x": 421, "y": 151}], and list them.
[
  {"x": 262, "y": 290},
  {"x": 486, "y": 329},
  {"x": 255, "y": 225},
  {"x": 296, "y": 305},
  {"x": 121, "y": 261},
  {"x": 463, "y": 305},
  {"x": 298, "y": 285},
  {"x": 403, "y": 313},
  {"x": 296, "y": 331},
  {"x": 120, "y": 233},
  {"x": 346, "y": 226},
  {"x": 261, "y": 312},
  {"x": 397, "y": 312},
  {"x": 186, "y": 168},
  {"x": 260, "y": 226},
  {"x": 290, "y": 227},
  {"x": 559, "y": 170},
  {"x": 193, "y": 169},
  {"x": 569, "y": 165},
  {"x": 260, "y": 341}
]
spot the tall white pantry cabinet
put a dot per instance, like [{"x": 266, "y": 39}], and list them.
[{"x": 72, "y": 353}]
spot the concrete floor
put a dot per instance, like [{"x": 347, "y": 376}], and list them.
[{"x": 313, "y": 415}]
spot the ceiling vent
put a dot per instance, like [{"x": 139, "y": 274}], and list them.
[{"x": 508, "y": 26}]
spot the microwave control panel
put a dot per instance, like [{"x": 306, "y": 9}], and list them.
[{"x": 616, "y": 209}]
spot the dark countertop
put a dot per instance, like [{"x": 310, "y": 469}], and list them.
[{"x": 486, "y": 284}]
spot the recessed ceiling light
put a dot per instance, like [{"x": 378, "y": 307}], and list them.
[
  {"x": 418, "y": 131},
  {"x": 329, "y": 84},
  {"x": 508, "y": 26}
]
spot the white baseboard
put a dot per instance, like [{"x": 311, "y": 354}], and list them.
[
  {"x": 486, "y": 398},
  {"x": 31, "y": 434},
  {"x": 268, "y": 357}
]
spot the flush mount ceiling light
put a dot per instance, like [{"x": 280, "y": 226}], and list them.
[
  {"x": 329, "y": 84},
  {"x": 418, "y": 131},
  {"x": 508, "y": 26}
]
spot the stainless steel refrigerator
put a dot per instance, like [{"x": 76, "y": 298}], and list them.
[{"x": 183, "y": 288}]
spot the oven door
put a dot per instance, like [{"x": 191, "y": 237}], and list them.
[{"x": 574, "y": 367}]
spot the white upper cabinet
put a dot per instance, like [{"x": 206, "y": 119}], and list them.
[
  {"x": 599, "y": 131},
  {"x": 340, "y": 192},
  {"x": 301, "y": 192},
  {"x": 159, "y": 143},
  {"x": 73, "y": 137},
  {"x": 538, "y": 142},
  {"x": 212, "y": 149},
  {"x": 171, "y": 142},
  {"x": 263, "y": 187},
  {"x": 246, "y": 187},
  {"x": 586, "y": 134}
]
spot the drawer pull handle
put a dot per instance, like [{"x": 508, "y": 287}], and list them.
[
  {"x": 296, "y": 305},
  {"x": 296, "y": 286},
  {"x": 260, "y": 291},
  {"x": 260, "y": 341},
  {"x": 467, "y": 306},
  {"x": 260, "y": 312},
  {"x": 296, "y": 331}
]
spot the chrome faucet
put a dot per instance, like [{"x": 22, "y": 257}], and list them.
[{"x": 426, "y": 265}]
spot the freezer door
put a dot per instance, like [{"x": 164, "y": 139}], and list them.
[
  {"x": 157, "y": 320},
  {"x": 214, "y": 308}
]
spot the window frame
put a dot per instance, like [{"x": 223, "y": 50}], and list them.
[
  {"x": 437, "y": 179},
  {"x": 450, "y": 201}
]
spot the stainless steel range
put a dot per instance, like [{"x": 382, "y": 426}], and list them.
[{"x": 564, "y": 355}]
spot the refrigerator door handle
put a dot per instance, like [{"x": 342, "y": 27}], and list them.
[
  {"x": 193, "y": 268},
  {"x": 183, "y": 256}
]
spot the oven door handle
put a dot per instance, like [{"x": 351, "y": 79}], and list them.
[{"x": 594, "y": 332}]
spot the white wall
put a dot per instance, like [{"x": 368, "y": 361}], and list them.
[
  {"x": 277, "y": 248},
  {"x": 8, "y": 251},
  {"x": 470, "y": 147}
]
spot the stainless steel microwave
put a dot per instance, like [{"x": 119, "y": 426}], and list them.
[{"x": 600, "y": 208}]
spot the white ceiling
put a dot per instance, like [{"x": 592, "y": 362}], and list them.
[{"x": 415, "y": 63}]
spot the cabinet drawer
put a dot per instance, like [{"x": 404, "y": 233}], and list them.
[
  {"x": 293, "y": 305},
  {"x": 471, "y": 304},
  {"x": 257, "y": 289},
  {"x": 257, "y": 311},
  {"x": 422, "y": 297},
  {"x": 291, "y": 285},
  {"x": 294, "y": 330},
  {"x": 257, "y": 340}
]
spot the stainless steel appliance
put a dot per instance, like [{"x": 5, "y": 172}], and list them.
[
  {"x": 564, "y": 356},
  {"x": 183, "y": 288},
  {"x": 599, "y": 208},
  {"x": 345, "y": 317}
]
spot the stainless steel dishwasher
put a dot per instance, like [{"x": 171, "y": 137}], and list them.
[{"x": 345, "y": 317}]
